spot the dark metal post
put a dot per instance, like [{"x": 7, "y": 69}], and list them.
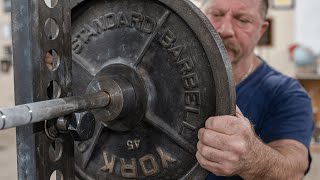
[{"x": 38, "y": 156}]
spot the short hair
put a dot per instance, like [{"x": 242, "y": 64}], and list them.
[{"x": 264, "y": 6}]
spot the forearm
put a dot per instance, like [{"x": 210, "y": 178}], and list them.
[
  {"x": 273, "y": 163},
  {"x": 229, "y": 146}
]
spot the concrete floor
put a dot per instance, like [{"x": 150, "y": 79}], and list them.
[{"x": 8, "y": 158}]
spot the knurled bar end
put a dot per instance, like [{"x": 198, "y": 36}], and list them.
[{"x": 2, "y": 120}]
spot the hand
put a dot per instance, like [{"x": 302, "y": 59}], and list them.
[{"x": 226, "y": 145}]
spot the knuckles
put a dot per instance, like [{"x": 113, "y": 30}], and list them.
[
  {"x": 228, "y": 169},
  {"x": 200, "y": 148},
  {"x": 223, "y": 169},
  {"x": 233, "y": 159},
  {"x": 235, "y": 146},
  {"x": 223, "y": 164},
  {"x": 240, "y": 147},
  {"x": 207, "y": 152},
  {"x": 202, "y": 161},
  {"x": 226, "y": 121},
  {"x": 205, "y": 136}
]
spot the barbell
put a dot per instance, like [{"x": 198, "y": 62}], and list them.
[{"x": 146, "y": 74}]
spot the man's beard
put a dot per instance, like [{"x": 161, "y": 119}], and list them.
[{"x": 235, "y": 48}]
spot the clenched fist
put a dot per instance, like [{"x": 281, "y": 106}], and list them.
[{"x": 226, "y": 145}]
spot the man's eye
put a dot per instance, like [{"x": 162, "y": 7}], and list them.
[
  {"x": 244, "y": 20},
  {"x": 217, "y": 15}
]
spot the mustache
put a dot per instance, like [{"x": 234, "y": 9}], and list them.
[{"x": 232, "y": 46}]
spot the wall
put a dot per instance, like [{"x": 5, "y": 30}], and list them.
[
  {"x": 307, "y": 24},
  {"x": 283, "y": 35},
  {"x": 5, "y": 29},
  {"x": 8, "y": 157}
]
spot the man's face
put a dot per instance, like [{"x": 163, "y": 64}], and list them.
[{"x": 239, "y": 23}]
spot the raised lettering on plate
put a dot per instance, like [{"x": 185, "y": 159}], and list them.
[
  {"x": 109, "y": 165},
  {"x": 165, "y": 157},
  {"x": 176, "y": 51},
  {"x": 186, "y": 65},
  {"x": 110, "y": 20},
  {"x": 136, "y": 20},
  {"x": 149, "y": 165},
  {"x": 190, "y": 81},
  {"x": 129, "y": 170},
  {"x": 133, "y": 144},
  {"x": 123, "y": 20},
  {"x": 148, "y": 25},
  {"x": 168, "y": 39},
  {"x": 98, "y": 26}
]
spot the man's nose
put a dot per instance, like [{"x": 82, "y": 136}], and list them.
[{"x": 225, "y": 29}]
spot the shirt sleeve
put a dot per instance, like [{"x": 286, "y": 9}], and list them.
[{"x": 290, "y": 115}]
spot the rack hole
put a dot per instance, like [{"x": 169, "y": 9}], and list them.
[
  {"x": 53, "y": 90},
  {"x": 55, "y": 150},
  {"x": 56, "y": 175},
  {"x": 51, "y": 3},
  {"x": 52, "y": 60},
  {"x": 51, "y": 28}
]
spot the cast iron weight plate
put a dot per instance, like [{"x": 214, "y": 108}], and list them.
[{"x": 179, "y": 70}]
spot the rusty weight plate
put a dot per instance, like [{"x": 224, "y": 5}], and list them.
[{"x": 176, "y": 64}]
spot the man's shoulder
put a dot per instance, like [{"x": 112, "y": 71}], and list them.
[
  {"x": 269, "y": 86},
  {"x": 274, "y": 81}
]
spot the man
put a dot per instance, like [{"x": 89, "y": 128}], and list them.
[{"x": 270, "y": 136}]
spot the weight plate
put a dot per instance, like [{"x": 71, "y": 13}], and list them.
[{"x": 169, "y": 54}]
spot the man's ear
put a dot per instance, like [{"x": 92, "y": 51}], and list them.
[{"x": 264, "y": 27}]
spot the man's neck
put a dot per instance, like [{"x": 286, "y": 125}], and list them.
[{"x": 244, "y": 67}]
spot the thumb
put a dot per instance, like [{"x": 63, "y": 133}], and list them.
[{"x": 238, "y": 112}]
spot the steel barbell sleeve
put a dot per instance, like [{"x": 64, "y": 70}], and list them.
[{"x": 45, "y": 110}]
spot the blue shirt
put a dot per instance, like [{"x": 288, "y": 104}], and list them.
[{"x": 276, "y": 105}]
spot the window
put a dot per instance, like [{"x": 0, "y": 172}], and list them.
[
  {"x": 6, "y": 31},
  {"x": 7, "y": 50},
  {"x": 6, "y": 60},
  {"x": 266, "y": 39},
  {"x": 7, "y": 5}
]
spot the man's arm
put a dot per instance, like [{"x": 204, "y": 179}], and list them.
[
  {"x": 281, "y": 159},
  {"x": 228, "y": 146}
]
